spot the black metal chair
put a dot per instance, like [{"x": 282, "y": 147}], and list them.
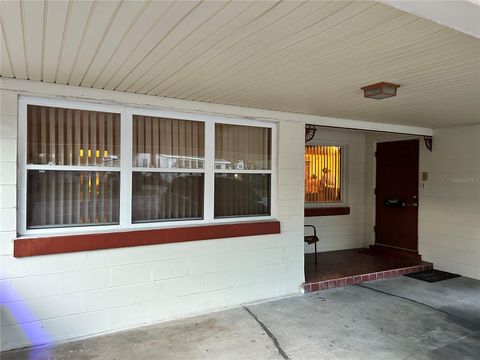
[{"x": 312, "y": 239}]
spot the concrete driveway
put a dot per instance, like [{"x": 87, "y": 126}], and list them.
[{"x": 387, "y": 319}]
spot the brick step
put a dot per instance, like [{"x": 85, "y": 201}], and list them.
[{"x": 356, "y": 279}]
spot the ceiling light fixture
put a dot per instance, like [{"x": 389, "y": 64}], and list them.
[{"x": 380, "y": 90}]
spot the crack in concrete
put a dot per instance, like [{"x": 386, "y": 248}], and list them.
[
  {"x": 270, "y": 334},
  {"x": 471, "y": 325}
]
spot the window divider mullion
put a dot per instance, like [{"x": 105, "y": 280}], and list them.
[
  {"x": 22, "y": 167},
  {"x": 209, "y": 182},
  {"x": 126, "y": 144}
]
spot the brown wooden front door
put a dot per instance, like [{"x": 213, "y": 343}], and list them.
[{"x": 396, "y": 212}]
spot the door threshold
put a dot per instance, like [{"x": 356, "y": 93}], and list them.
[{"x": 396, "y": 251}]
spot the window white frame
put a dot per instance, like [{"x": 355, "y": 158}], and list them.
[
  {"x": 343, "y": 175},
  {"x": 126, "y": 167}
]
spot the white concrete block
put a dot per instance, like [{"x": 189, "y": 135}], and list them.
[
  {"x": 85, "y": 280},
  {"x": 47, "y": 308},
  {"x": 108, "y": 298},
  {"x": 8, "y": 103},
  {"x": 8, "y": 219},
  {"x": 168, "y": 269},
  {"x": 290, "y": 207},
  {"x": 293, "y": 144},
  {"x": 290, "y": 192},
  {"x": 8, "y": 173},
  {"x": 145, "y": 292},
  {"x": 288, "y": 160},
  {"x": 6, "y": 242},
  {"x": 194, "y": 248},
  {"x": 131, "y": 274},
  {"x": 21, "y": 289},
  {"x": 57, "y": 263},
  {"x": 291, "y": 177},
  {"x": 291, "y": 222},
  {"x": 129, "y": 316},
  {"x": 8, "y": 149},
  {"x": 205, "y": 301},
  {"x": 8, "y": 126},
  {"x": 8, "y": 196},
  {"x": 292, "y": 129},
  {"x": 168, "y": 309},
  {"x": 151, "y": 253},
  {"x": 204, "y": 264},
  {"x": 73, "y": 326},
  {"x": 108, "y": 258}
]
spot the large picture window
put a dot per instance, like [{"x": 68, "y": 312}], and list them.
[{"x": 85, "y": 165}]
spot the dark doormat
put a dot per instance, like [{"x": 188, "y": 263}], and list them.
[{"x": 432, "y": 275}]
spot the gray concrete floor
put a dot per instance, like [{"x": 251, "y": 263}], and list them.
[{"x": 387, "y": 319}]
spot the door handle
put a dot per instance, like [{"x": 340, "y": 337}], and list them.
[{"x": 414, "y": 204}]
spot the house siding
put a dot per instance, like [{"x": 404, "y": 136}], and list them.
[{"x": 60, "y": 297}]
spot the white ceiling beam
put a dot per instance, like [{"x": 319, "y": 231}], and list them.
[{"x": 460, "y": 15}]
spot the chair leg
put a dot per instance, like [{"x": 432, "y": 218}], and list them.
[{"x": 315, "y": 254}]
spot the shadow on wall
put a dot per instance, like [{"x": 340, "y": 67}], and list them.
[{"x": 20, "y": 315}]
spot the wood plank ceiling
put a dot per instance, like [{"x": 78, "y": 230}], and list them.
[{"x": 308, "y": 57}]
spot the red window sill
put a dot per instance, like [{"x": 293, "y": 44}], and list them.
[
  {"x": 326, "y": 211},
  {"x": 74, "y": 243}
]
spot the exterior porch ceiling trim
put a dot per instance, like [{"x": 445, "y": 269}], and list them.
[{"x": 302, "y": 57}]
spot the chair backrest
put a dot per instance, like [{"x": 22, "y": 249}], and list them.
[{"x": 311, "y": 227}]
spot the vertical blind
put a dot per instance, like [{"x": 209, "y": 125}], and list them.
[
  {"x": 72, "y": 198},
  {"x": 162, "y": 143},
  {"x": 242, "y": 195},
  {"x": 243, "y": 147},
  {"x": 168, "y": 143},
  {"x": 57, "y": 136},
  {"x": 167, "y": 196},
  {"x": 67, "y": 137},
  {"x": 322, "y": 174}
]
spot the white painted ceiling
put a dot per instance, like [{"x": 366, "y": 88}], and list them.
[{"x": 305, "y": 57}]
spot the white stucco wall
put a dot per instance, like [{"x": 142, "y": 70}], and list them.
[
  {"x": 59, "y": 297},
  {"x": 344, "y": 231}
]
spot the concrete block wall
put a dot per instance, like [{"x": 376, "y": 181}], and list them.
[
  {"x": 449, "y": 216},
  {"x": 8, "y": 170},
  {"x": 344, "y": 231},
  {"x": 52, "y": 298}
]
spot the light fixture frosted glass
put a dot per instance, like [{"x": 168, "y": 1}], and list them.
[{"x": 380, "y": 90}]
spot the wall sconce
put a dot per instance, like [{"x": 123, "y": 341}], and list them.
[{"x": 380, "y": 90}]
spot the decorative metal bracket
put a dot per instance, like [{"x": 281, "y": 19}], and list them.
[
  {"x": 309, "y": 132},
  {"x": 428, "y": 142}
]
